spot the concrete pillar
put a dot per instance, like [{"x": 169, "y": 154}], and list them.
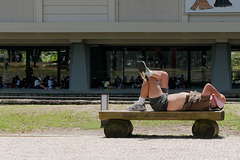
[
  {"x": 79, "y": 68},
  {"x": 221, "y": 67}
]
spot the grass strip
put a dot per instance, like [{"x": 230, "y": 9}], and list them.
[{"x": 27, "y": 118}]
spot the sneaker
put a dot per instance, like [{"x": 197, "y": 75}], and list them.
[
  {"x": 144, "y": 71},
  {"x": 137, "y": 107}
]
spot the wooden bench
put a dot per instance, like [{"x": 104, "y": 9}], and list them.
[{"x": 118, "y": 123}]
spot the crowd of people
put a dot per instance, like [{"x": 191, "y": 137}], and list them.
[
  {"x": 49, "y": 82},
  {"x": 118, "y": 83},
  {"x": 175, "y": 82},
  {"x": 108, "y": 84},
  {"x": 35, "y": 82}
]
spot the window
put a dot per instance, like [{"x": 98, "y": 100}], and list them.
[{"x": 190, "y": 64}]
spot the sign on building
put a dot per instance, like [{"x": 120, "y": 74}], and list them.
[{"x": 192, "y": 6}]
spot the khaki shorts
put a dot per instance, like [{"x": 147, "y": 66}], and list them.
[
  {"x": 196, "y": 102},
  {"x": 159, "y": 103}
]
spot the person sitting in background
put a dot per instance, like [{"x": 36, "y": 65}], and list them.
[
  {"x": 45, "y": 80},
  {"x": 138, "y": 82},
  {"x": 106, "y": 83},
  {"x": 37, "y": 84},
  {"x": 18, "y": 82},
  {"x": 2, "y": 85},
  {"x": 95, "y": 83},
  {"x": 177, "y": 82},
  {"x": 66, "y": 82},
  {"x": 121, "y": 85},
  {"x": 50, "y": 83},
  {"x": 23, "y": 83},
  {"x": 184, "y": 83},
  {"x": 117, "y": 81},
  {"x": 171, "y": 83},
  {"x": 132, "y": 82}
]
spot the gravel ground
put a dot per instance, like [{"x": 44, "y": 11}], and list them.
[{"x": 91, "y": 145}]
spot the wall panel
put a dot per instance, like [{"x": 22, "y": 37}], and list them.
[
  {"x": 149, "y": 11},
  {"x": 75, "y": 11},
  {"x": 75, "y": 18},
  {"x": 16, "y": 11},
  {"x": 75, "y": 2}
]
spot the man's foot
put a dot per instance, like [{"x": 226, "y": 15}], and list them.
[
  {"x": 144, "y": 71},
  {"x": 137, "y": 107}
]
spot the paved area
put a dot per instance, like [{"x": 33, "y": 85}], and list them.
[{"x": 96, "y": 146}]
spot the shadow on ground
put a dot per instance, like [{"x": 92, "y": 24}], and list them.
[{"x": 167, "y": 137}]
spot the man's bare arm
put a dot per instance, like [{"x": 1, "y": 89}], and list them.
[{"x": 210, "y": 89}]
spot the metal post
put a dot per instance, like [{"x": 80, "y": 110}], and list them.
[
  {"x": 59, "y": 68},
  {"x": 104, "y": 106},
  {"x": 104, "y": 102}
]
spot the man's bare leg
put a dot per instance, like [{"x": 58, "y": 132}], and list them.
[
  {"x": 144, "y": 90},
  {"x": 144, "y": 93},
  {"x": 154, "y": 88},
  {"x": 140, "y": 105},
  {"x": 157, "y": 79},
  {"x": 162, "y": 78}
]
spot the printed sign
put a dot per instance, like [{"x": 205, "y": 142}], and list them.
[{"x": 212, "y": 6}]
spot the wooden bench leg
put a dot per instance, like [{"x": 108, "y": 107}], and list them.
[
  {"x": 130, "y": 127},
  {"x": 117, "y": 128},
  {"x": 204, "y": 128}
]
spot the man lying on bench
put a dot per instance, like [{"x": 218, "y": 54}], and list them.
[{"x": 155, "y": 86}]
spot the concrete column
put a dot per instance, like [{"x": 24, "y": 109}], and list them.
[
  {"x": 221, "y": 67},
  {"x": 79, "y": 68}
]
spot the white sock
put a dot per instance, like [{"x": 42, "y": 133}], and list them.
[
  {"x": 150, "y": 72},
  {"x": 141, "y": 100}
]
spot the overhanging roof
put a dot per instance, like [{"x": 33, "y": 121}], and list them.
[
  {"x": 91, "y": 27},
  {"x": 142, "y": 33}
]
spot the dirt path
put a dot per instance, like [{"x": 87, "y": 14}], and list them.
[{"x": 88, "y": 145}]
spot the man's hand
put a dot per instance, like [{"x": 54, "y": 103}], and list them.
[{"x": 223, "y": 99}]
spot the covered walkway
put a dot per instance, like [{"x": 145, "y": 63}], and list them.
[{"x": 91, "y": 94}]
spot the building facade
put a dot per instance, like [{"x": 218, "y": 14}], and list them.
[{"x": 91, "y": 40}]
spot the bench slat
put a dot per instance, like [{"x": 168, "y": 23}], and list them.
[{"x": 164, "y": 115}]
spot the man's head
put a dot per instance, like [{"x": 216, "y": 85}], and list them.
[
  {"x": 213, "y": 102},
  {"x": 216, "y": 102}
]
